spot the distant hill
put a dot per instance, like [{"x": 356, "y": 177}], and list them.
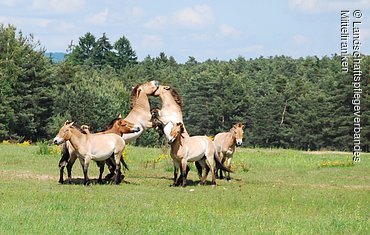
[{"x": 56, "y": 57}]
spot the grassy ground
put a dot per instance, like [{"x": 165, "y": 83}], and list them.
[{"x": 272, "y": 191}]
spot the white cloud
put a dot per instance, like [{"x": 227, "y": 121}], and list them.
[
  {"x": 137, "y": 12},
  {"x": 300, "y": 40},
  {"x": 228, "y": 31},
  {"x": 158, "y": 22},
  {"x": 98, "y": 18},
  {"x": 65, "y": 26},
  {"x": 152, "y": 42},
  {"x": 64, "y": 6},
  {"x": 26, "y": 21},
  {"x": 8, "y": 2},
  {"x": 197, "y": 16}
]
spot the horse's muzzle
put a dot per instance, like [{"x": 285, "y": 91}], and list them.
[
  {"x": 239, "y": 143},
  {"x": 136, "y": 129},
  {"x": 58, "y": 141}
]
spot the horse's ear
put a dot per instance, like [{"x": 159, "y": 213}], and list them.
[
  {"x": 166, "y": 87},
  {"x": 119, "y": 116},
  {"x": 181, "y": 125}
]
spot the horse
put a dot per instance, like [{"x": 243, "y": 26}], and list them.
[
  {"x": 171, "y": 112},
  {"x": 140, "y": 109},
  {"x": 98, "y": 147},
  {"x": 186, "y": 149},
  {"x": 225, "y": 143},
  {"x": 117, "y": 126}
]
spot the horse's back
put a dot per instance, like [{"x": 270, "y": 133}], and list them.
[
  {"x": 109, "y": 140},
  {"x": 219, "y": 140}
]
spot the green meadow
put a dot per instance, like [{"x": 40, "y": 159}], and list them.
[{"x": 272, "y": 191}]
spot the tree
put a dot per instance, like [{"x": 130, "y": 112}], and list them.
[
  {"x": 125, "y": 55},
  {"x": 83, "y": 53},
  {"x": 26, "y": 100}
]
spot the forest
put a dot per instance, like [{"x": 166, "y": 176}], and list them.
[{"x": 300, "y": 103}]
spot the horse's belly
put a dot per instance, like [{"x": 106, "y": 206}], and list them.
[
  {"x": 101, "y": 154},
  {"x": 195, "y": 156}
]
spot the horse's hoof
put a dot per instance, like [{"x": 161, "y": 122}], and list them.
[{"x": 214, "y": 185}]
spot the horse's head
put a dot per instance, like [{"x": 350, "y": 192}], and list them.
[
  {"x": 162, "y": 89},
  {"x": 176, "y": 131},
  {"x": 85, "y": 128},
  {"x": 149, "y": 88},
  {"x": 64, "y": 133},
  {"x": 238, "y": 133},
  {"x": 124, "y": 126}
]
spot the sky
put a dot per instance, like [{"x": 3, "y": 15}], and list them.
[{"x": 204, "y": 29}]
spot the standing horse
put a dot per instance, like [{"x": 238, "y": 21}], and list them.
[
  {"x": 117, "y": 126},
  {"x": 225, "y": 143},
  {"x": 189, "y": 149},
  {"x": 98, "y": 147},
  {"x": 140, "y": 109}
]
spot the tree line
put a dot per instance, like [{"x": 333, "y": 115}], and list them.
[{"x": 303, "y": 103}]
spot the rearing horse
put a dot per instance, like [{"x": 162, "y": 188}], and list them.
[
  {"x": 140, "y": 109},
  {"x": 171, "y": 111}
]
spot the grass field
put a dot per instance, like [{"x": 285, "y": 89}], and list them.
[{"x": 272, "y": 191}]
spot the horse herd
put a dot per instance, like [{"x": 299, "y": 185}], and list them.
[{"x": 106, "y": 147}]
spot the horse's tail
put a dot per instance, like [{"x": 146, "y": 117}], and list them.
[
  {"x": 221, "y": 166},
  {"x": 124, "y": 164},
  {"x": 65, "y": 156}
]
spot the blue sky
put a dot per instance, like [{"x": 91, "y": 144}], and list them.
[{"x": 202, "y": 29}]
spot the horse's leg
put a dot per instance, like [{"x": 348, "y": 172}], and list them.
[
  {"x": 101, "y": 171},
  {"x": 222, "y": 157},
  {"x": 203, "y": 164},
  {"x": 175, "y": 174},
  {"x": 199, "y": 169},
  {"x": 210, "y": 160},
  {"x": 85, "y": 169},
  {"x": 63, "y": 162},
  {"x": 184, "y": 165},
  {"x": 117, "y": 157},
  {"x": 111, "y": 166},
  {"x": 228, "y": 178},
  {"x": 70, "y": 163}
]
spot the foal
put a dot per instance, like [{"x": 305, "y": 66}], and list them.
[
  {"x": 189, "y": 149},
  {"x": 225, "y": 143}
]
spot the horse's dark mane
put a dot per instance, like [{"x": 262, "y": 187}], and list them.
[
  {"x": 134, "y": 95},
  {"x": 176, "y": 96},
  {"x": 110, "y": 125},
  {"x": 75, "y": 126}
]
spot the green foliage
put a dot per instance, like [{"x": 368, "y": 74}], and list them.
[
  {"x": 303, "y": 103},
  {"x": 43, "y": 148}
]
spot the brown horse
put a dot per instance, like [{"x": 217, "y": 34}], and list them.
[
  {"x": 117, "y": 126},
  {"x": 189, "y": 149},
  {"x": 140, "y": 109},
  {"x": 98, "y": 147},
  {"x": 225, "y": 143}
]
